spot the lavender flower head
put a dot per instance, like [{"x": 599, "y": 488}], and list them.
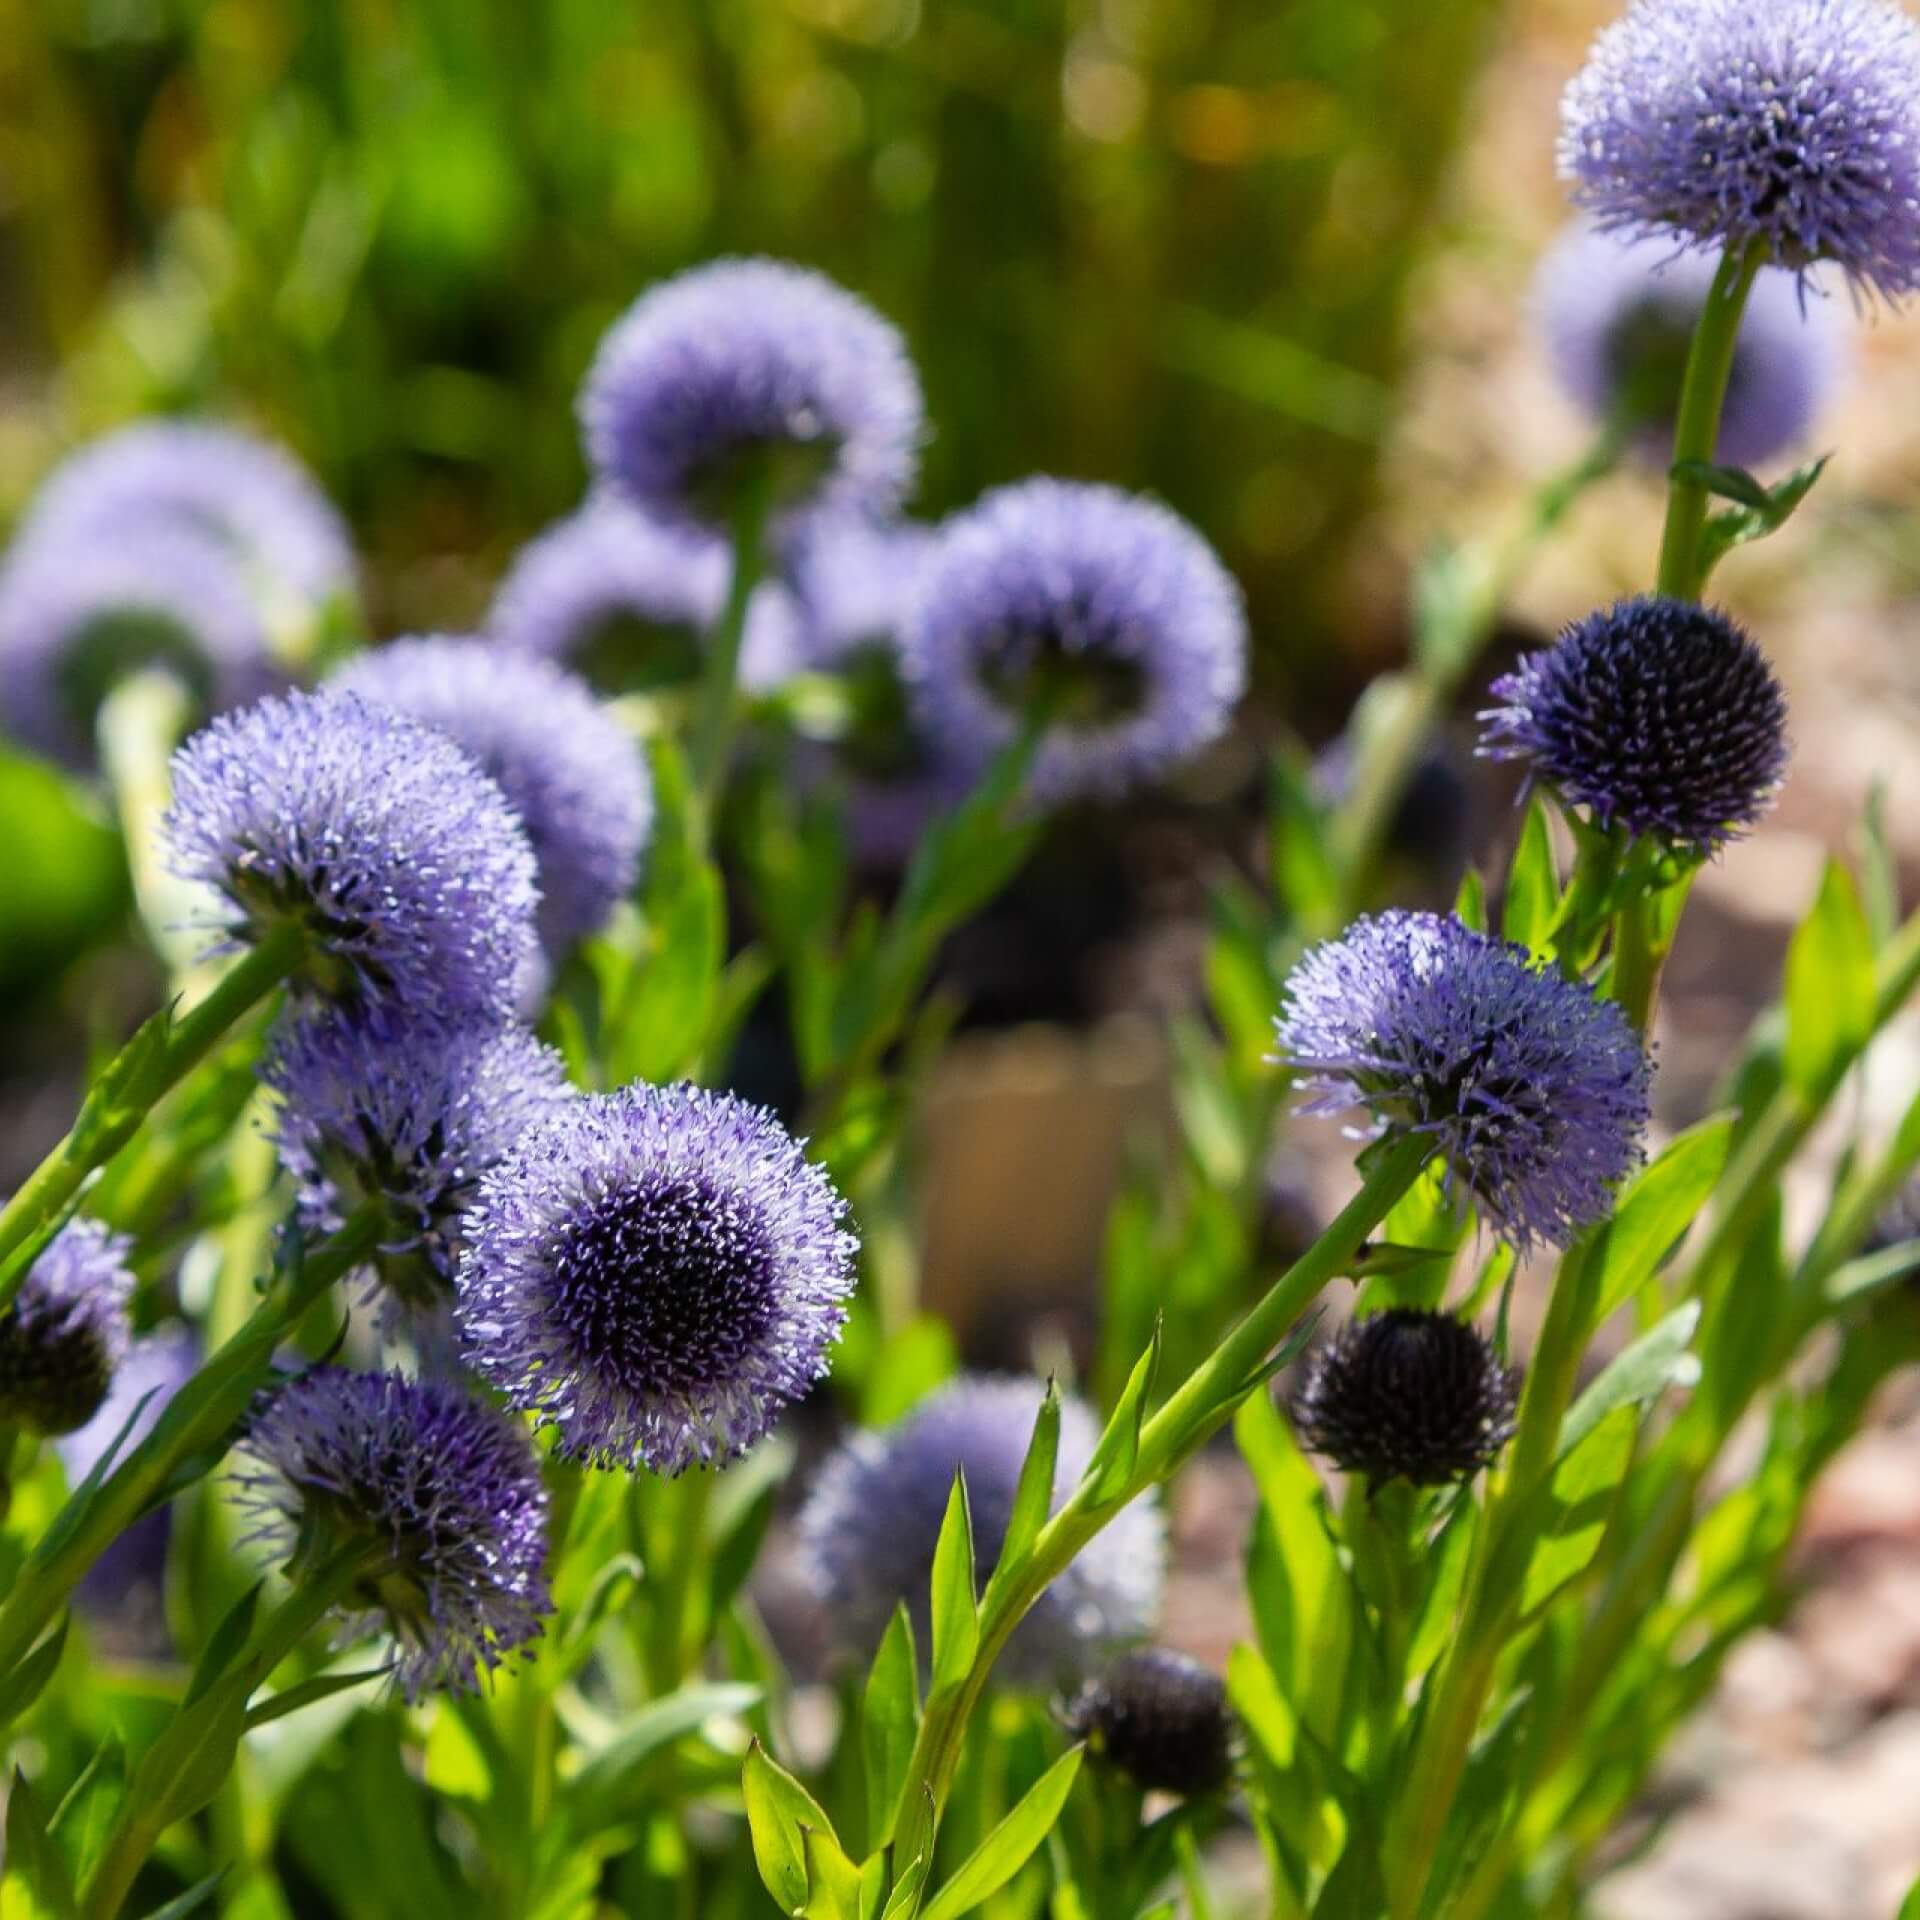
[
  {"x": 442, "y": 1491},
  {"x": 379, "y": 838},
  {"x": 625, "y": 601},
  {"x": 1533, "y": 1088},
  {"x": 239, "y": 491},
  {"x": 1619, "y": 314},
  {"x": 410, "y": 1120},
  {"x": 80, "y": 609},
  {"x": 745, "y": 364},
  {"x": 66, "y": 1330},
  {"x": 1654, "y": 713},
  {"x": 576, "y": 777},
  {"x": 655, "y": 1272},
  {"x": 1794, "y": 125},
  {"x": 870, "y": 1525},
  {"x": 1105, "y": 609}
]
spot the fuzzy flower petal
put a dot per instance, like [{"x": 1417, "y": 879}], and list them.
[
  {"x": 1655, "y": 713},
  {"x": 79, "y": 609},
  {"x": 402, "y": 861},
  {"x": 66, "y": 1330},
  {"x": 1721, "y": 123},
  {"x": 745, "y": 360},
  {"x": 1533, "y": 1088},
  {"x": 1618, "y": 315},
  {"x": 1106, "y": 607},
  {"x": 576, "y": 776},
  {"x": 870, "y": 1525},
  {"x": 412, "y": 1119},
  {"x": 656, "y": 1272},
  {"x": 444, "y": 1490}
]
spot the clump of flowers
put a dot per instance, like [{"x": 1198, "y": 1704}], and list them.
[
  {"x": 400, "y": 863},
  {"x": 441, "y": 1494},
  {"x": 573, "y": 773},
  {"x": 870, "y": 1526},
  {"x": 1654, "y": 713},
  {"x": 66, "y": 1332},
  {"x": 752, "y": 372},
  {"x": 1410, "y": 1395},
  {"x": 1794, "y": 127},
  {"x": 1160, "y": 1718},
  {"x": 1618, "y": 314},
  {"x": 1101, "y": 615},
  {"x": 656, "y": 1273},
  {"x": 1533, "y": 1088}
]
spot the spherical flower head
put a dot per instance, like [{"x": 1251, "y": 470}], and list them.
[
  {"x": 1618, "y": 315},
  {"x": 380, "y": 838},
  {"x": 1103, "y": 611},
  {"x": 1533, "y": 1088},
  {"x": 232, "y": 487},
  {"x": 749, "y": 365},
  {"x": 1794, "y": 125},
  {"x": 1654, "y": 713},
  {"x": 627, "y": 601},
  {"x": 576, "y": 777},
  {"x": 1410, "y": 1395},
  {"x": 1160, "y": 1718},
  {"x": 870, "y": 1526},
  {"x": 66, "y": 1330},
  {"x": 655, "y": 1272},
  {"x": 409, "y": 1118},
  {"x": 443, "y": 1493},
  {"x": 81, "y": 609}
]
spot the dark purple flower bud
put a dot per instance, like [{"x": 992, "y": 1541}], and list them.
[
  {"x": 1160, "y": 1718},
  {"x": 441, "y": 1490},
  {"x": 1534, "y": 1089},
  {"x": 870, "y": 1526},
  {"x": 655, "y": 1272},
  {"x": 66, "y": 1331}
]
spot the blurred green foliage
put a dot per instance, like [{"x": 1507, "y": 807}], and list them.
[{"x": 1162, "y": 242}]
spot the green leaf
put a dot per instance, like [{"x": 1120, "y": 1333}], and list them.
[
  {"x": 1304, "y": 878},
  {"x": 1872, "y": 1272},
  {"x": 1760, "y": 510},
  {"x": 1910, "y": 1906},
  {"x": 86, "y": 1815},
  {"x": 601, "y": 1791},
  {"x": 1470, "y": 902},
  {"x": 309, "y": 1693},
  {"x": 1033, "y": 1495},
  {"x": 193, "y": 1900},
  {"x": 24, "y": 1685},
  {"x": 1532, "y": 908},
  {"x": 1010, "y": 1845},
  {"x": 889, "y": 1721},
  {"x": 1657, "y": 1207},
  {"x": 779, "y": 1808},
  {"x": 183, "y": 1769},
  {"x": 904, "y": 1903},
  {"x": 33, "y": 1865},
  {"x": 1656, "y": 1361},
  {"x": 225, "y": 1644},
  {"x": 1111, "y": 1468},
  {"x": 1829, "y": 986},
  {"x": 956, "y": 1607},
  {"x": 833, "y": 1881},
  {"x": 1580, "y": 1499}
]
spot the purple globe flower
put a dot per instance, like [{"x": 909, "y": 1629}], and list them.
[
  {"x": 576, "y": 777},
  {"x": 1654, "y": 713},
  {"x": 1619, "y": 315},
  {"x": 655, "y": 1272},
  {"x": 1533, "y": 1088},
  {"x": 400, "y": 860},
  {"x": 66, "y": 1330},
  {"x": 1795, "y": 125},
  {"x": 1106, "y": 610},
  {"x": 445, "y": 1495},
  {"x": 870, "y": 1525},
  {"x": 410, "y": 1120},
  {"x": 625, "y": 601},
  {"x": 80, "y": 608},
  {"x": 750, "y": 361}
]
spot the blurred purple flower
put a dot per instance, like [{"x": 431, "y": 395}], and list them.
[{"x": 65, "y": 1333}]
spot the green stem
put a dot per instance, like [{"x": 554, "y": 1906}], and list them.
[
  {"x": 1696, "y": 430},
  {"x": 1201, "y": 1405},
  {"x": 195, "y": 1424},
  {"x": 1637, "y": 959},
  {"x": 140, "y": 723},
  {"x": 715, "y": 708},
  {"x": 48, "y": 1189},
  {"x": 689, "y": 1499}
]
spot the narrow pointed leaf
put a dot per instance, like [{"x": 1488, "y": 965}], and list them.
[
  {"x": 956, "y": 1610},
  {"x": 778, "y": 1809},
  {"x": 1010, "y": 1845}
]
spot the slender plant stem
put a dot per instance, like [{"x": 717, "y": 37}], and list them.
[
  {"x": 715, "y": 706},
  {"x": 689, "y": 1500},
  {"x": 1696, "y": 430},
  {"x": 140, "y": 723},
  {"x": 1637, "y": 959},
  {"x": 93, "y": 1140},
  {"x": 1202, "y": 1404}
]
